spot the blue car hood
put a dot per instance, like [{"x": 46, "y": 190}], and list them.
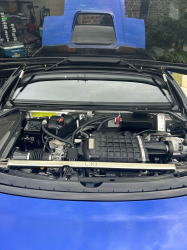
[{"x": 29, "y": 223}]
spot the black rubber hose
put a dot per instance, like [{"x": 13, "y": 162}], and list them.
[
  {"x": 56, "y": 137},
  {"x": 45, "y": 143},
  {"x": 86, "y": 124},
  {"x": 106, "y": 120}
]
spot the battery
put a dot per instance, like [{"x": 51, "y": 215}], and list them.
[{"x": 12, "y": 49}]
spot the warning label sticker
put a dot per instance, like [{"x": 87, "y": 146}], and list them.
[
  {"x": 91, "y": 143},
  {"x": 42, "y": 114}
]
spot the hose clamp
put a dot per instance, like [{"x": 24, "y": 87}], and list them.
[
  {"x": 44, "y": 122},
  {"x": 28, "y": 156}
]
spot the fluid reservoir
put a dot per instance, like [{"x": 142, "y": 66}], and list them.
[{"x": 62, "y": 126}]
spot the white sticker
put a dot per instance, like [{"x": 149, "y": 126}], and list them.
[{"x": 91, "y": 143}]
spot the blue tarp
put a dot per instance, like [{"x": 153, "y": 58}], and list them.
[{"x": 129, "y": 31}]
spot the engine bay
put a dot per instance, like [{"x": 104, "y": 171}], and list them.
[{"x": 98, "y": 144}]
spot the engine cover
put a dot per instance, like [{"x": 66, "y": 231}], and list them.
[{"x": 112, "y": 147}]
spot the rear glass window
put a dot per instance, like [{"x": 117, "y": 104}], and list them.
[
  {"x": 92, "y": 91},
  {"x": 94, "y": 19}
]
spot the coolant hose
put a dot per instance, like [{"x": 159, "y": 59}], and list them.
[
  {"x": 55, "y": 137},
  {"x": 86, "y": 124}
]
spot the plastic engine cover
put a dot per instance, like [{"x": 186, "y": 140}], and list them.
[{"x": 111, "y": 147}]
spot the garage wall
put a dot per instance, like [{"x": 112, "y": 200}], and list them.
[
  {"x": 56, "y": 7},
  {"x": 132, "y": 7},
  {"x": 40, "y": 4}
]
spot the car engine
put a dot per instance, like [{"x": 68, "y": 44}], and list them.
[{"x": 127, "y": 138}]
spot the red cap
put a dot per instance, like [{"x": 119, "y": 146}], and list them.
[
  {"x": 61, "y": 120},
  {"x": 117, "y": 120}
]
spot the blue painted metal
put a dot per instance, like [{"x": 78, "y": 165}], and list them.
[
  {"x": 27, "y": 224},
  {"x": 129, "y": 31}
]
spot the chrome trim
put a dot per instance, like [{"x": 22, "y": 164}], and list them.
[
  {"x": 89, "y": 164},
  {"x": 141, "y": 148}
]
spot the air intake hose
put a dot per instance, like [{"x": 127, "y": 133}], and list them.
[{"x": 34, "y": 155}]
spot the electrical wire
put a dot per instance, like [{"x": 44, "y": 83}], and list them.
[
  {"x": 45, "y": 143},
  {"x": 84, "y": 125},
  {"x": 88, "y": 128},
  {"x": 101, "y": 124},
  {"x": 28, "y": 113},
  {"x": 85, "y": 129},
  {"x": 56, "y": 137},
  {"x": 68, "y": 136},
  {"x": 56, "y": 64},
  {"x": 45, "y": 146},
  {"x": 150, "y": 130}
]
